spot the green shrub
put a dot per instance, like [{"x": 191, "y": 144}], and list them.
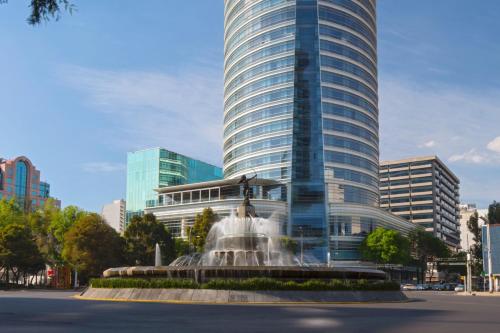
[{"x": 247, "y": 284}]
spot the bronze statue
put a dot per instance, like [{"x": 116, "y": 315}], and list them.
[
  {"x": 246, "y": 209},
  {"x": 246, "y": 188}
]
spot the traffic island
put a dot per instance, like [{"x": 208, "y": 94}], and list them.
[
  {"x": 210, "y": 296},
  {"x": 250, "y": 291}
]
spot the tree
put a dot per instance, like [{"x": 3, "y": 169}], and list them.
[
  {"x": 494, "y": 213},
  {"x": 182, "y": 247},
  {"x": 10, "y": 213},
  {"x": 289, "y": 244},
  {"x": 44, "y": 10},
  {"x": 19, "y": 253},
  {"x": 92, "y": 246},
  {"x": 141, "y": 237},
  {"x": 202, "y": 224},
  {"x": 49, "y": 224},
  {"x": 476, "y": 249},
  {"x": 426, "y": 248},
  {"x": 384, "y": 246}
]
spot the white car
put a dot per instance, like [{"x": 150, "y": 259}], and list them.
[
  {"x": 408, "y": 287},
  {"x": 460, "y": 287}
]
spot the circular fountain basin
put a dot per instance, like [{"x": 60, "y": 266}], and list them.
[{"x": 203, "y": 274}]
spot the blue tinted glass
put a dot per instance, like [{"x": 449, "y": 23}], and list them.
[{"x": 307, "y": 206}]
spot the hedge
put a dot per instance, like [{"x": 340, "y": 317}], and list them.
[{"x": 248, "y": 284}]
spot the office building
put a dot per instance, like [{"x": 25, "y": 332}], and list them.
[
  {"x": 153, "y": 168},
  {"x": 19, "y": 179},
  {"x": 424, "y": 191},
  {"x": 114, "y": 215},
  {"x": 466, "y": 211},
  {"x": 300, "y": 112},
  {"x": 178, "y": 205},
  {"x": 301, "y": 107},
  {"x": 491, "y": 254}
]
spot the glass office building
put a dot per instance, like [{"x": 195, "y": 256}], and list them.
[
  {"x": 153, "y": 168},
  {"x": 20, "y": 180},
  {"x": 301, "y": 106}
]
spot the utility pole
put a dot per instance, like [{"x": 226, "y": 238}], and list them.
[
  {"x": 468, "y": 285},
  {"x": 468, "y": 278}
]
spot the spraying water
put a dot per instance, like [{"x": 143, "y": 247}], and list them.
[{"x": 242, "y": 241}]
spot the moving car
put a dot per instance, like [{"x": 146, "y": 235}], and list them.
[{"x": 408, "y": 287}]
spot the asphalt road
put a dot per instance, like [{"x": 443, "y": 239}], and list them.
[{"x": 51, "y": 311}]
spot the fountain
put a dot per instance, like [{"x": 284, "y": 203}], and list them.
[
  {"x": 243, "y": 239},
  {"x": 241, "y": 246}
]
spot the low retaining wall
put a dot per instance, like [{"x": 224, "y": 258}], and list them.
[
  {"x": 206, "y": 273},
  {"x": 237, "y": 296}
]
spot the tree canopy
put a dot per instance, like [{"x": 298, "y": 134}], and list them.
[
  {"x": 385, "y": 246},
  {"x": 426, "y": 248},
  {"x": 19, "y": 253},
  {"x": 494, "y": 213},
  {"x": 476, "y": 249},
  {"x": 141, "y": 237},
  {"x": 202, "y": 224},
  {"x": 45, "y": 10},
  {"x": 92, "y": 246}
]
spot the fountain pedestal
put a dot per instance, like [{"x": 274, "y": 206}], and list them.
[{"x": 246, "y": 210}]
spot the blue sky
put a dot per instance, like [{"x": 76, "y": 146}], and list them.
[{"x": 121, "y": 75}]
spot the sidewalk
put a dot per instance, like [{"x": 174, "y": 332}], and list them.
[{"x": 480, "y": 293}]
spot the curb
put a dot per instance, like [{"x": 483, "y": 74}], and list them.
[{"x": 123, "y": 300}]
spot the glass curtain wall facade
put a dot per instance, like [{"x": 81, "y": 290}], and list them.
[
  {"x": 153, "y": 168},
  {"x": 301, "y": 105},
  {"x": 20, "y": 180}
]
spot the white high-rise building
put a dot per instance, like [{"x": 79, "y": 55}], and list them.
[
  {"x": 114, "y": 215},
  {"x": 466, "y": 211}
]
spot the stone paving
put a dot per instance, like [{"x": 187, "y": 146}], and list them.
[{"x": 238, "y": 296}]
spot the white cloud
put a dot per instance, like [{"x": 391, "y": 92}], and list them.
[
  {"x": 181, "y": 112},
  {"x": 494, "y": 145},
  {"x": 470, "y": 157},
  {"x": 428, "y": 144},
  {"x": 99, "y": 167},
  {"x": 459, "y": 120}
]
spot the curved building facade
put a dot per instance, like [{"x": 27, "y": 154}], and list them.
[{"x": 301, "y": 106}]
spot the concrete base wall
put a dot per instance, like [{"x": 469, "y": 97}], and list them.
[{"x": 237, "y": 296}]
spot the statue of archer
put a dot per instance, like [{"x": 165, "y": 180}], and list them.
[{"x": 246, "y": 188}]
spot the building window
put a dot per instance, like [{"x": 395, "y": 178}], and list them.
[{"x": 21, "y": 179}]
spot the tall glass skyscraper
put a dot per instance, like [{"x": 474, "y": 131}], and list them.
[
  {"x": 301, "y": 106},
  {"x": 150, "y": 169}
]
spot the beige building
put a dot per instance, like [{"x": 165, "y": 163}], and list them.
[
  {"x": 424, "y": 191},
  {"x": 466, "y": 211},
  {"x": 114, "y": 215}
]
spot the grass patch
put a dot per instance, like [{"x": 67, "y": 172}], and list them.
[{"x": 247, "y": 284}]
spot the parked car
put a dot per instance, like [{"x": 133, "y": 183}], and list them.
[
  {"x": 438, "y": 286},
  {"x": 460, "y": 288},
  {"x": 408, "y": 287},
  {"x": 449, "y": 286},
  {"x": 424, "y": 286}
]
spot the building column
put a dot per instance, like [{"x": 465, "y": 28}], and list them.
[{"x": 183, "y": 228}]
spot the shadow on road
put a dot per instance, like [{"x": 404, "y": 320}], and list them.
[{"x": 70, "y": 315}]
